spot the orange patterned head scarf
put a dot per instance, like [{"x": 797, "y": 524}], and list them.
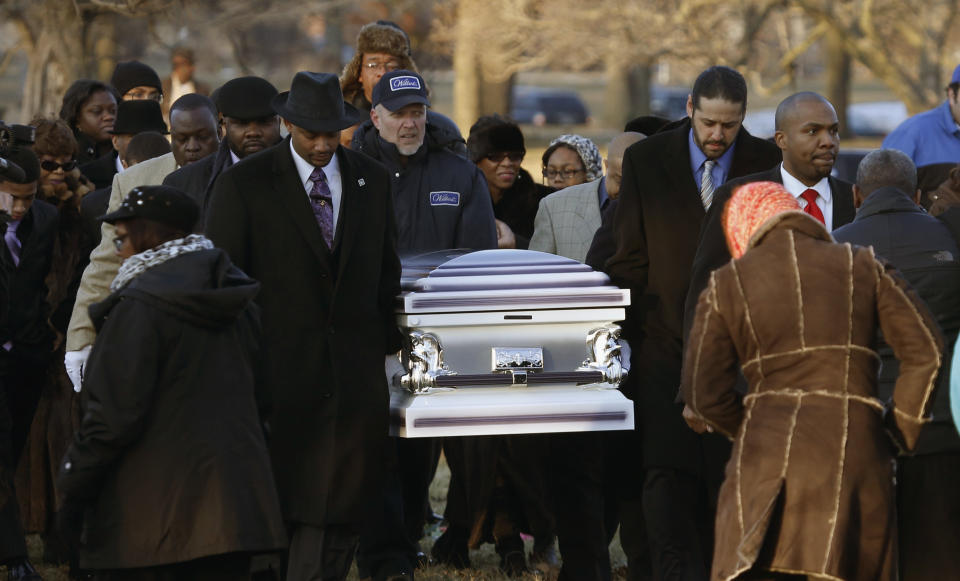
[{"x": 749, "y": 207}]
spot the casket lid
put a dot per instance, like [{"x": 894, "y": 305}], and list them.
[{"x": 503, "y": 280}]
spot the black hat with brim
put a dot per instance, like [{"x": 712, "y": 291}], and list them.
[
  {"x": 246, "y": 98},
  {"x": 164, "y": 204},
  {"x": 138, "y": 116},
  {"x": 315, "y": 103}
]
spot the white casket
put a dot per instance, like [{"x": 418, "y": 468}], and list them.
[{"x": 507, "y": 342}]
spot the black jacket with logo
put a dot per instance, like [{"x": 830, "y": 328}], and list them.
[
  {"x": 926, "y": 253},
  {"x": 440, "y": 199}
]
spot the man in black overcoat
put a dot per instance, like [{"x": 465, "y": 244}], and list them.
[
  {"x": 250, "y": 126},
  {"x": 668, "y": 180},
  {"x": 313, "y": 222}
]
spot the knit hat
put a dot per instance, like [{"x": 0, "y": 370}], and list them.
[
  {"x": 130, "y": 74},
  {"x": 586, "y": 149},
  {"x": 27, "y": 160},
  {"x": 749, "y": 207}
]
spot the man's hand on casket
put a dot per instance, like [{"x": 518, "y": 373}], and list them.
[{"x": 696, "y": 423}]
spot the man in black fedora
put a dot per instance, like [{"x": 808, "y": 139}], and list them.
[
  {"x": 313, "y": 222},
  {"x": 133, "y": 117},
  {"x": 250, "y": 125}
]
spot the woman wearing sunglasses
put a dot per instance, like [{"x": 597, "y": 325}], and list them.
[
  {"x": 496, "y": 146},
  {"x": 57, "y": 415}
]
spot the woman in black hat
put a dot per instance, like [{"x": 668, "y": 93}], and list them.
[{"x": 170, "y": 468}]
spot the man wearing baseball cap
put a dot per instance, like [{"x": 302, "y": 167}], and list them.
[
  {"x": 250, "y": 125},
  {"x": 932, "y": 137},
  {"x": 441, "y": 201},
  {"x": 313, "y": 223}
]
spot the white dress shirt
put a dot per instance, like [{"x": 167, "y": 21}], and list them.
[
  {"x": 824, "y": 195},
  {"x": 332, "y": 171}
]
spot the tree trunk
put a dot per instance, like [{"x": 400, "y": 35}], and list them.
[
  {"x": 617, "y": 108},
  {"x": 838, "y": 79},
  {"x": 466, "y": 66},
  {"x": 641, "y": 86},
  {"x": 53, "y": 38},
  {"x": 495, "y": 97}
]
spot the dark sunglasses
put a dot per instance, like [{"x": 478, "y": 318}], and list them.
[
  {"x": 53, "y": 166},
  {"x": 514, "y": 156}
]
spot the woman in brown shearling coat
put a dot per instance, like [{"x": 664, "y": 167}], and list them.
[{"x": 809, "y": 486}]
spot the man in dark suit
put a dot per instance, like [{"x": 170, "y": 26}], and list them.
[
  {"x": 250, "y": 126},
  {"x": 314, "y": 223},
  {"x": 668, "y": 181},
  {"x": 26, "y": 340},
  {"x": 807, "y": 132}
]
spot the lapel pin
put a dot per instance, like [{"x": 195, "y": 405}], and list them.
[{"x": 361, "y": 182}]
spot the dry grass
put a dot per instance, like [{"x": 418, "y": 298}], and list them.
[{"x": 484, "y": 560}]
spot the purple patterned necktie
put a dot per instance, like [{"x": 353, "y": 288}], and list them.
[
  {"x": 13, "y": 243},
  {"x": 322, "y": 203}
]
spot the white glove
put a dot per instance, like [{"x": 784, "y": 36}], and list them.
[{"x": 75, "y": 361}]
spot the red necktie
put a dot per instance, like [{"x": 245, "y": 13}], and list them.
[{"x": 810, "y": 195}]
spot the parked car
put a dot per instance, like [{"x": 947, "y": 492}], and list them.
[
  {"x": 875, "y": 119},
  {"x": 669, "y": 102},
  {"x": 539, "y": 106}
]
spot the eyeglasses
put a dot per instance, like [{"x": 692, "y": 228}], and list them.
[
  {"x": 143, "y": 95},
  {"x": 385, "y": 67},
  {"x": 566, "y": 174},
  {"x": 514, "y": 156},
  {"x": 50, "y": 165}
]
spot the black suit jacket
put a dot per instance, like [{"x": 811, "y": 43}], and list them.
[
  {"x": 327, "y": 320},
  {"x": 101, "y": 170},
  {"x": 23, "y": 319},
  {"x": 656, "y": 227},
  {"x": 197, "y": 178},
  {"x": 712, "y": 251}
]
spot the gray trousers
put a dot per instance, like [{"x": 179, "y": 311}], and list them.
[{"x": 321, "y": 554}]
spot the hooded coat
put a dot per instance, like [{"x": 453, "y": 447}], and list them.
[
  {"x": 809, "y": 488},
  {"x": 170, "y": 460}
]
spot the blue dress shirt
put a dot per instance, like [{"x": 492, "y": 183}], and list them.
[{"x": 721, "y": 169}]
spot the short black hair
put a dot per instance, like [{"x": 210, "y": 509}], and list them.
[
  {"x": 78, "y": 94},
  {"x": 887, "y": 168},
  {"x": 146, "y": 145},
  {"x": 192, "y": 102},
  {"x": 720, "y": 82}
]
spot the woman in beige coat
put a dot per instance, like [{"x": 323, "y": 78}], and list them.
[{"x": 809, "y": 486}]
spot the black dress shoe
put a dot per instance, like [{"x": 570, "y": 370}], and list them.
[{"x": 22, "y": 570}]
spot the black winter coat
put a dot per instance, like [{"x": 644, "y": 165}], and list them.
[
  {"x": 518, "y": 206},
  {"x": 101, "y": 170},
  {"x": 170, "y": 459},
  {"x": 441, "y": 199},
  {"x": 196, "y": 179},
  {"x": 656, "y": 227},
  {"x": 922, "y": 248}
]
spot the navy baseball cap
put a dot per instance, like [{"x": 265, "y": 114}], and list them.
[
  {"x": 400, "y": 88},
  {"x": 956, "y": 75}
]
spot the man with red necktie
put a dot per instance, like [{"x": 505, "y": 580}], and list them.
[{"x": 808, "y": 135}]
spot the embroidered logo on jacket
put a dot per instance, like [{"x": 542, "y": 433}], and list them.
[
  {"x": 444, "y": 198},
  {"x": 407, "y": 82}
]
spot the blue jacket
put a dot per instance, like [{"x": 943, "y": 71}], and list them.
[
  {"x": 929, "y": 137},
  {"x": 440, "y": 199},
  {"x": 926, "y": 253}
]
